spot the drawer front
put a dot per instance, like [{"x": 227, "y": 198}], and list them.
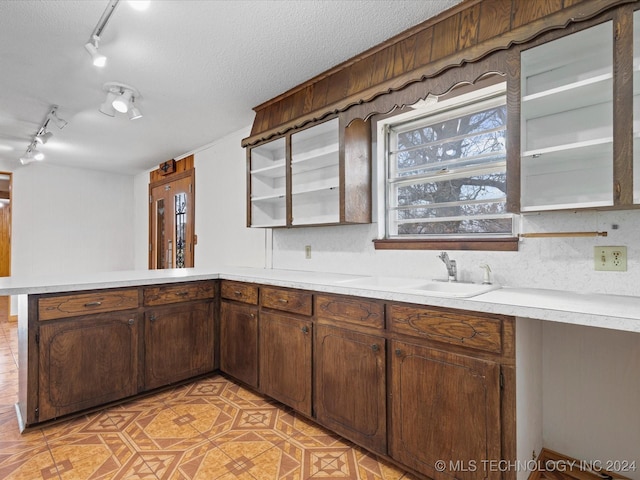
[
  {"x": 350, "y": 310},
  {"x": 165, "y": 294},
  {"x": 287, "y": 300},
  {"x": 240, "y": 292},
  {"x": 457, "y": 328},
  {"x": 64, "y": 306}
]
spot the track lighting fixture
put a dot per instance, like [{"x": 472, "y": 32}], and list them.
[
  {"x": 99, "y": 60},
  {"x": 42, "y": 136},
  {"x": 120, "y": 98}
]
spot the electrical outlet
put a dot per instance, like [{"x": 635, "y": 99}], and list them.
[
  {"x": 307, "y": 252},
  {"x": 610, "y": 258}
]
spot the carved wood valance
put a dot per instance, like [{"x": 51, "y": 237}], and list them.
[{"x": 471, "y": 31}]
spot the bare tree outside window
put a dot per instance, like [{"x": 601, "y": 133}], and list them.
[{"x": 447, "y": 174}]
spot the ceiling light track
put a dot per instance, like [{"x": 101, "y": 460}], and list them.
[{"x": 42, "y": 136}]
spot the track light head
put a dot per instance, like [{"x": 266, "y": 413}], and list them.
[
  {"x": 43, "y": 137},
  {"x": 107, "y": 106},
  {"x": 60, "y": 123},
  {"x": 134, "y": 113},
  {"x": 120, "y": 98},
  {"x": 99, "y": 60},
  {"x": 121, "y": 103}
]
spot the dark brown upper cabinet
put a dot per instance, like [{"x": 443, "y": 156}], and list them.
[{"x": 319, "y": 175}]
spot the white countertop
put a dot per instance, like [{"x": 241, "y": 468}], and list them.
[{"x": 614, "y": 312}]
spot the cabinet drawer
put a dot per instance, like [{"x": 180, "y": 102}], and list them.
[
  {"x": 287, "y": 300},
  {"x": 357, "y": 311},
  {"x": 241, "y": 292},
  {"x": 64, "y": 306},
  {"x": 175, "y": 293},
  {"x": 448, "y": 326}
]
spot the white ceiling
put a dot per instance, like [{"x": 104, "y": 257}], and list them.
[{"x": 200, "y": 66}]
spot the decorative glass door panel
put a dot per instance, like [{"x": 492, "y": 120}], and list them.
[{"x": 172, "y": 216}]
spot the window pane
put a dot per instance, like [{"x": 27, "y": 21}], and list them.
[
  {"x": 476, "y": 187},
  {"x": 447, "y": 172},
  {"x": 458, "y": 227},
  {"x": 471, "y": 139}
]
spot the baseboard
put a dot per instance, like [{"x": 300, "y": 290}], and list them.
[{"x": 556, "y": 466}]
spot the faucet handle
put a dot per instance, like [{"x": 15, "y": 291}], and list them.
[{"x": 487, "y": 274}]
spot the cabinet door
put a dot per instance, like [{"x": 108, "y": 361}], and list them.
[
  {"x": 351, "y": 385},
  {"x": 285, "y": 360},
  {"x": 239, "y": 342},
  {"x": 567, "y": 122},
  {"x": 444, "y": 407},
  {"x": 87, "y": 361},
  {"x": 178, "y": 343}
]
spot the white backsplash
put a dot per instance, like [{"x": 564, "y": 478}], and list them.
[{"x": 560, "y": 263}]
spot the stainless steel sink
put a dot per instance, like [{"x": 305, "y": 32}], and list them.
[{"x": 416, "y": 286}]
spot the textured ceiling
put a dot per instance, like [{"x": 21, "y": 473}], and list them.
[{"x": 200, "y": 67}]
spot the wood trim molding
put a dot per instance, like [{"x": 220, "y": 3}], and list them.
[
  {"x": 465, "y": 34},
  {"x": 482, "y": 244}
]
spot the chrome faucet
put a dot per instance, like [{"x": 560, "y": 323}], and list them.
[{"x": 452, "y": 270}]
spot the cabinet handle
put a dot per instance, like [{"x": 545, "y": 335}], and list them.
[
  {"x": 305, "y": 329},
  {"x": 253, "y": 315},
  {"x": 152, "y": 318},
  {"x": 398, "y": 352},
  {"x": 237, "y": 293},
  {"x": 283, "y": 300},
  {"x": 131, "y": 321},
  {"x": 182, "y": 294},
  {"x": 375, "y": 347},
  {"x": 93, "y": 304}
]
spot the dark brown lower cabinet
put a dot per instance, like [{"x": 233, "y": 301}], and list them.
[
  {"x": 351, "y": 385},
  {"x": 239, "y": 341},
  {"x": 178, "y": 342},
  {"x": 285, "y": 359},
  {"x": 86, "y": 361},
  {"x": 445, "y": 407}
]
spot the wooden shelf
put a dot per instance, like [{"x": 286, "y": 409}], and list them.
[
  {"x": 274, "y": 171},
  {"x": 569, "y": 97},
  {"x": 268, "y": 198},
  {"x": 568, "y": 148}
]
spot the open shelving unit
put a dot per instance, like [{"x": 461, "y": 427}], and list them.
[
  {"x": 315, "y": 175},
  {"x": 268, "y": 184},
  {"x": 567, "y": 122}
]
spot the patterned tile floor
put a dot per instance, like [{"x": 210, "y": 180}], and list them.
[{"x": 210, "y": 429}]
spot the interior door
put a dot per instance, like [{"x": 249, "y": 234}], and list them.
[{"x": 172, "y": 224}]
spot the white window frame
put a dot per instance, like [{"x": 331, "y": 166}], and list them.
[{"x": 493, "y": 95}]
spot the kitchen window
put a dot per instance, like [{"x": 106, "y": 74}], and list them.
[{"x": 446, "y": 170}]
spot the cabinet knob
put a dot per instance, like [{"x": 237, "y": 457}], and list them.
[
  {"x": 305, "y": 329},
  {"x": 182, "y": 294},
  {"x": 131, "y": 321},
  {"x": 283, "y": 300},
  {"x": 375, "y": 347},
  {"x": 152, "y": 318},
  {"x": 237, "y": 293},
  {"x": 398, "y": 352}
]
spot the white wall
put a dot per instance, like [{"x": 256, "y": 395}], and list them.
[
  {"x": 69, "y": 220},
  {"x": 591, "y": 394}
]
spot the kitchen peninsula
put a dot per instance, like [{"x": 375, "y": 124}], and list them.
[{"x": 498, "y": 332}]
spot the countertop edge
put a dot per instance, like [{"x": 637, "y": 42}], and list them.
[{"x": 547, "y": 305}]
